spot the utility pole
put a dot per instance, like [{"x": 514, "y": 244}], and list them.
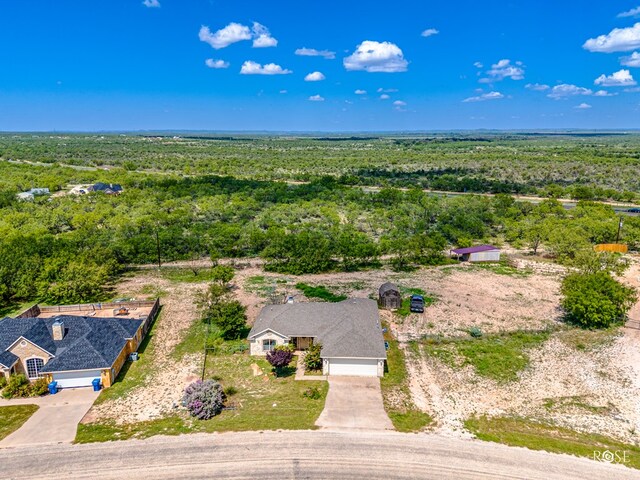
[
  {"x": 619, "y": 229},
  {"x": 158, "y": 246}
]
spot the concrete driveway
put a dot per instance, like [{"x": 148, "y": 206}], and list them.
[
  {"x": 55, "y": 421},
  {"x": 354, "y": 403}
]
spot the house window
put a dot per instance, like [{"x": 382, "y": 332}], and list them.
[
  {"x": 34, "y": 365},
  {"x": 268, "y": 345}
]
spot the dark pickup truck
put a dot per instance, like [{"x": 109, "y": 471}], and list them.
[{"x": 416, "y": 304}]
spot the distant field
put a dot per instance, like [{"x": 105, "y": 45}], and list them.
[{"x": 498, "y": 162}]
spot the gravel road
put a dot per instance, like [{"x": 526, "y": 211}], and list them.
[{"x": 301, "y": 454}]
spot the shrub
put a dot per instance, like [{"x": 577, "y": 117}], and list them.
[
  {"x": 312, "y": 360},
  {"x": 230, "y": 391},
  {"x": 204, "y": 399},
  {"x": 595, "y": 300},
  {"x": 38, "y": 388},
  {"x": 17, "y": 386},
  {"x": 475, "y": 332},
  {"x": 312, "y": 393},
  {"x": 3, "y": 381},
  {"x": 279, "y": 358}
]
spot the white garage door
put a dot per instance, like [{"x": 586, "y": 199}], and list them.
[
  {"x": 76, "y": 379},
  {"x": 353, "y": 366}
]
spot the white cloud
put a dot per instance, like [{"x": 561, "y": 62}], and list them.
[
  {"x": 314, "y": 77},
  {"x": 312, "y": 52},
  {"x": 387, "y": 90},
  {"x": 583, "y": 106},
  {"x": 372, "y": 56},
  {"x": 283, "y": 91},
  {"x": 211, "y": 63},
  {"x": 253, "y": 68},
  {"x": 384, "y": 96},
  {"x": 504, "y": 69},
  {"x": 621, "y": 78},
  {"x": 484, "y": 97},
  {"x": 400, "y": 103},
  {"x": 632, "y": 60},
  {"x": 316, "y": 98},
  {"x": 262, "y": 37},
  {"x": 538, "y": 87},
  {"x": 429, "y": 32},
  {"x": 360, "y": 92},
  {"x": 617, "y": 40},
  {"x": 634, "y": 12},
  {"x": 232, "y": 33},
  {"x": 603, "y": 93},
  {"x": 478, "y": 65},
  {"x": 567, "y": 90},
  {"x": 151, "y": 3}
]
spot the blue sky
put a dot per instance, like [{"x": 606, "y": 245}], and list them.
[{"x": 130, "y": 65}]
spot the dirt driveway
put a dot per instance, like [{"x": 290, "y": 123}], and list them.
[
  {"x": 56, "y": 421},
  {"x": 354, "y": 403}
]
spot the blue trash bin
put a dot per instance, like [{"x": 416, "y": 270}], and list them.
[
  {"x": 96, "y": 384},
  {"x": 53, "y": 388}
]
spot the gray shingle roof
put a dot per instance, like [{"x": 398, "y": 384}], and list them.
[
  {"x": 88, "y": 342},
  {"x": 7, "y": 359},
  {"x": 347, "y": 329},
  {"x": 385, "y": 287}
]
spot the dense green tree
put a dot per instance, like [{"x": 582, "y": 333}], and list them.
[{"x": 595, "y": 300}]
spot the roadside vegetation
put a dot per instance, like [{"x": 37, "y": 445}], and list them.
[
  {"x": 13, "y": 417},
  {"x": 319, "y": 292},
  {"x": 402, "y": 412},
  {"x": 521, "y": 432}
]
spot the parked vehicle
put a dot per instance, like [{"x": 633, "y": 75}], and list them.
[
  {"x": 416, "y": 304},
  {"x": 633, "y": 210}
]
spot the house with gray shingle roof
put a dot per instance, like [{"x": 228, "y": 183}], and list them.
[
  {"x": 72, "y": 350},
  {"x": 349, "y": 332}
]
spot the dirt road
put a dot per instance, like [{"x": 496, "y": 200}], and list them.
[{"x": 301, "y": 454}]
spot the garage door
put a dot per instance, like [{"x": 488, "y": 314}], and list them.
[
  {"x": 353, "y": 366},
  {"x": 76, "y": 379}
]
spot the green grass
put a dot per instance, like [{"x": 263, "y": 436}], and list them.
[
  {"x": 261, "y": 402},
  {"x": 133, "y": 374},
  {"x": 588, "y": 340},
  {"x": 499, "y": 357},
  {"x": 398, "y": 404},
  {"x": 320, "y": 292},
  {"x": 14, "y": 308},
  {"x": 13, "y": 417},
  {"x": 502, "y": 268},
  {"x": 186, "y": 275},
  {"x": 522, "y": 432}
]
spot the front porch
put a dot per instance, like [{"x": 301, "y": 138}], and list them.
[{"x": 301, "y": 343}]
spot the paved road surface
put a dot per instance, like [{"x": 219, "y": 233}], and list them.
[
  {"x": 301, "y": 454},
  {"x": 55, "y": 421},
  {"x": 354, "y": 402}
]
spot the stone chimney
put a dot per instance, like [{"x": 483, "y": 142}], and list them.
[{"x": 58, "y": 330}]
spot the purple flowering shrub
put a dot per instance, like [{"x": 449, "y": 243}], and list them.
[
  {"x": 204, "y": 400},
  {"x": 280, "y": 358}
]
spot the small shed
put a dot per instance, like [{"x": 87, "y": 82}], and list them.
[
  {"x": 389, "y": 296},
  {"x": 479, "y": 253}
]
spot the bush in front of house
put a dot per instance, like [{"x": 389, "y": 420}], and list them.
[
  {"x": 204, "y": 399},
  {"x": 19, "y": 386},
  {"x": 312, "y": 360},
  {"x": 3, "y": 381},
  {"x": 280, "y": 358}
]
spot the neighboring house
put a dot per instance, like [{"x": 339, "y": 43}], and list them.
[
  {"x": 29, "y": 195},
  {"x": 389, "y": 296},
  {"x": 349, "y": 331},
  {"x": 71, "y": 350},
  {"x": 479, "y": 253},
  {"x": 109, "y": 189}
]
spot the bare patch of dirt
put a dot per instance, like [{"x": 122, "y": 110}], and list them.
[{"x": 162, "y": 389}]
